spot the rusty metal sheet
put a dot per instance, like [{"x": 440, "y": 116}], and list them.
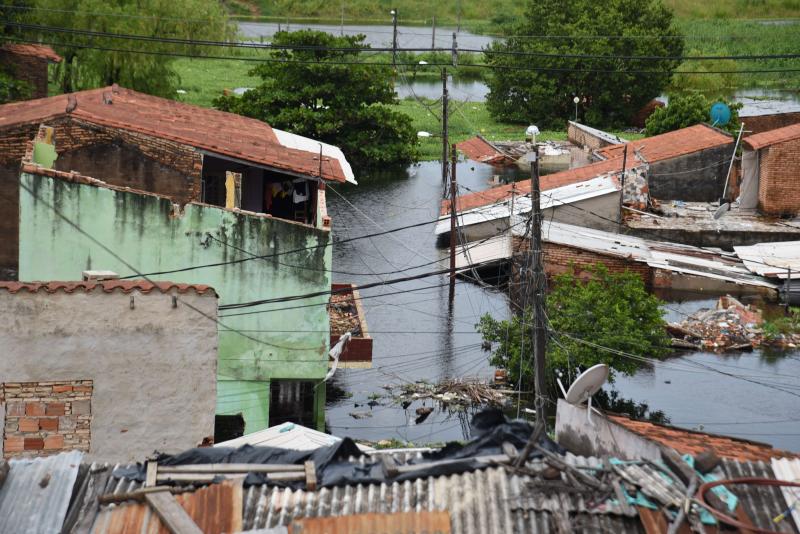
[
  {"x": 216, "y": 509},
  {"x": 400, "y": 523}
]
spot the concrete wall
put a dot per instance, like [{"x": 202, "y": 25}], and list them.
[
  {"x": 779, "y": 179},
  {"x": 602, "y": 438},
  {"x": 152, "y": 235},
  {"x": 583, "y": 136},
  {"x": 153, "y": 367},
  {"x": 696, "y": 177}
]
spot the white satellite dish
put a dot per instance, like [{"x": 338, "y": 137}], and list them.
[{"x": 586, "y": 385}]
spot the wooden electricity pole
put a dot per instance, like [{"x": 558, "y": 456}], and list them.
[
  {"x": 453, "y": 221},
  {"x": 433, "y": 33},
  {"x": 394, "y": 37},
  {"x": 622, "y": 182},
  {"x": 445, "y": 140},
  {"x": 538, "y": 328}
]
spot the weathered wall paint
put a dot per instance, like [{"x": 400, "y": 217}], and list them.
[
  {"x": 696, "y": 177},
  {"x": 153, "y": 366},
  {"x": 144, "y": 231}
]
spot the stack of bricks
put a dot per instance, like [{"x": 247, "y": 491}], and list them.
[{"x": 45, "y": 418}]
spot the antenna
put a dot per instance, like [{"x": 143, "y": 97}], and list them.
[
  {"x": 720, "y": 114},
  {"x": 586, "y": 385}
]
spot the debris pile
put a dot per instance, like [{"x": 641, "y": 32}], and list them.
[
  {"x": 343, "y": 313},
  {"x": 454, "y": 392},
  {"x": 728, "y": 327}
]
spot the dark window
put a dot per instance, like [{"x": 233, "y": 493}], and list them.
[{"x": 291, "y": 401}]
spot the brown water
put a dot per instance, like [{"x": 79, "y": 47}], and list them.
[{"x": 416, "y": 337}]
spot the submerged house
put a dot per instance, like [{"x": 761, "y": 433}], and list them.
[
  {"x": 141, "y": 185},
  {"x": 770, "y": 181}
]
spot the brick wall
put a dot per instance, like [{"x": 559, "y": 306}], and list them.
[
  {"x": 779, "y": 179},
  {"x": 580, "y": 137},
  {"x": 117, "y": 157},
  {"x": 44, "y": 418},
  {"x": 27, "y": 68},
  {"x": 763, "y": 123}
]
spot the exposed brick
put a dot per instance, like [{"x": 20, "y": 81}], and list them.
[
  {"x": 62, "y": 389},
  {"x": 779, "y": 182},
  {"x": 34, "y": 408},
  {"x": 82, "y": 407},
  {"x": 28, "y": 424},
  {"x": 55, "y": 408},
  {"x": 66, "y": 423},
  {"x": 48, "y": 423},
  {"x": 33, "y": 444},
  {"x": 54, "y": 442},
  {"x": 13, "y": 444},
  {"x": 82, "y": 389},
  {"x": 15, "y": 409}
]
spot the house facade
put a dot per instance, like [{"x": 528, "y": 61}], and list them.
[
  {"x": 84, "y": 367},
  {"x": 28, "y": 62},
  {"x": 770, "y": 180},
  {"x": 143, "y": 185}
]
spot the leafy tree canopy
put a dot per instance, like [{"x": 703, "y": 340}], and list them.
[
  {"x": 610, "y": 309},
  {"x": 545, "y": 97},
  {"x": 328, "y": 95},
  {"x": 11, "y": 89},
  {"x": 85, "y": 65},
  {"x": 687, "y": 110}
]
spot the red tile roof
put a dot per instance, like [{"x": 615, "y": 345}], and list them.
[
  {"x": 546, "y": 182},
  {"x": 672, "y": 144},
  {"x": 693, "y": 442},
  {"x": 478, "y": 149},
  {"x": 34, "y": 50},
  {"x": 772, "y": 137},
  {"x": 107, "y": 286},
  {"x": 656, "y": 148},
  {"x": 212, "y": 130}
]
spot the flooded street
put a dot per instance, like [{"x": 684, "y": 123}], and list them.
[{"x": 417, "y": 339}]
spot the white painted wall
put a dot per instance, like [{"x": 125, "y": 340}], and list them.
[{"x": 154, "y": 366}]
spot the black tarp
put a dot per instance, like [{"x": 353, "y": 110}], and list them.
[{"x": 334, "y": 464}]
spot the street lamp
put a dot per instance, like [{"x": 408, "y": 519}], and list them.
[{"x": 576, "y": 100}]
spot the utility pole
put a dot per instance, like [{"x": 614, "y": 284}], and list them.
[
  {"x": 458, "y": 14},
  {"x": 453, "y": 221},
  {"x": 341, "y": 27},
  {"x": 622, "y": 182},
  {"x": 433, "y": 33},
  {"x": 394, "y": 37},
  {"x": 538, "y": 329},
  {"x": 445, "y": 141}
]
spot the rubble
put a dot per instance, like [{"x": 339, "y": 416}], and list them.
[
  {"x": 731, "y": 326},
  {"x": 344, "y": 315},
  {"x": 456, "y": 392}
]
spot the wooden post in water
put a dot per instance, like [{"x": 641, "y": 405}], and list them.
[{"x": 453, "y": 221}]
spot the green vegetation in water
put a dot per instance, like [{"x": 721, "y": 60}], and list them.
[{"x": 782, "y": 326}]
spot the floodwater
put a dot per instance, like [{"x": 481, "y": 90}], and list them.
[
  {"x": 416, "y": 338},
  {"x": 377, "y": 36}
]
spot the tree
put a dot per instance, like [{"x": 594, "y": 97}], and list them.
[
  {"x": 328, "y": 95},
  {"x": 143, "y": 65},
  {"x": 610, "y": 90},
  {"x": 11, "y": 89},
  {"x": 688, "y": 110},
  {"x": 610, "y": 310}
]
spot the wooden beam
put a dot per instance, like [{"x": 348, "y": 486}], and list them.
[
  {"x": 152, "y": 474},
  {"x": 172, "y": 514},
  {"x": 219, "y": 469},
  {"x": 311, "y": 476}
]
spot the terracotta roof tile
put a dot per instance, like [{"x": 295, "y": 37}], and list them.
[
  {"x": 107, "y": 286},
  {"x": 34, "y": 50},
  {"x": 479, "y": 149},
  {"x": 693, "y": 442},
  {"x": 771, "y": 137},
  {"x": 671, "y": 144},
  {"x": 546, "y": 182},
  {"x": 656, "y": 148},
  {"x": 216, "y": 131}
]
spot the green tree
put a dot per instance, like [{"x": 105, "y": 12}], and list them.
[
  {"x": 687, "y": 110},
  {"x": 612, "y": 310},
  {"x": 11, "y": 89},
  {"x": 91, "y": 61},
  {"x": 328, "y": 95},
  {"x": 610, "y": 90}
]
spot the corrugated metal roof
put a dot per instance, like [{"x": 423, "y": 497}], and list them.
[
  {"x": 402, "y": 523},
  {"x": 789, "y": 469},
  {"x": 287, "y": 436},
  {"x": 761, "y": 503},
  {"x": 772, "y": 259},
  {"x": 36, "y": 493}
]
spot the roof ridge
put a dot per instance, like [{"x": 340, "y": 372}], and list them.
[{"x": 107, "y": 286}]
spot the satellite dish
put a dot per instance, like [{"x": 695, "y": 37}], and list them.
[
  {"x": 720, "y": 114},
  {"x": 587, "y": 384}
]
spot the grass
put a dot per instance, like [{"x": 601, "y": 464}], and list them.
[{"x": 478, "y": 14}]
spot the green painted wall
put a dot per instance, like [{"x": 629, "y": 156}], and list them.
[{"x": 287, "y": 344}]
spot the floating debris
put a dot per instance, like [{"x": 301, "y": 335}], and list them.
[
  {"x": 344, "y": 315},
  {"x": 456, "y": 392}
]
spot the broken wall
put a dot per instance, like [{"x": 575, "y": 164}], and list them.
[
  {"x": 696, "y": 177},
  {"x": 140, "y": 369}
]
